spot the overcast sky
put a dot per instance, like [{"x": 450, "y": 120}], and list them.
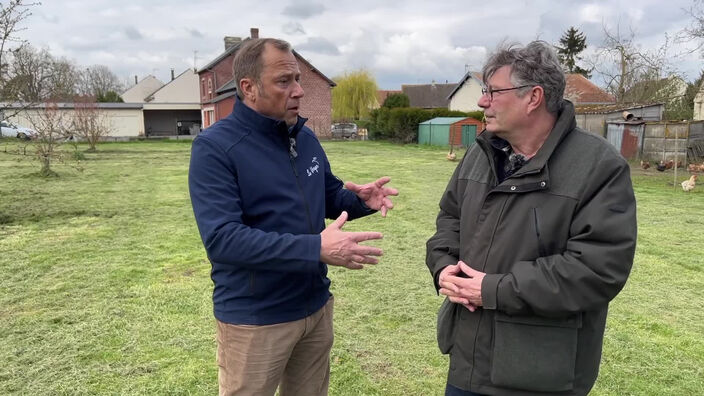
[{"x": 399, "y": 42}]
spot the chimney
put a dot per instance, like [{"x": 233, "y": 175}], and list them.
[
  {"x": 172, "y": 74},
  {"x": 231, "y": 40},
  {"x": 254, "y": 33},
  {"x": 135, "y": 80}
]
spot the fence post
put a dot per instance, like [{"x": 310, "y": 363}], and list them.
[{"x": 677, "y": 154}]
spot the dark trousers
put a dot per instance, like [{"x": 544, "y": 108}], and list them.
[{"x": 453, "y": 391}]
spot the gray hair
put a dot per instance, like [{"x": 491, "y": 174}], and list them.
[
  {"x": 534, "y": 64},
  {"x": 248, "y": 59}
]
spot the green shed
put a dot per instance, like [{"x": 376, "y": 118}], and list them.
[
  {"x": 436, "y": 132},
  {"x": 441, "y": 130}
]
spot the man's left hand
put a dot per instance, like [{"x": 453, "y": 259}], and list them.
[
  {"x": 374, "y": 195},
  {"x": 465, "y": 291}
]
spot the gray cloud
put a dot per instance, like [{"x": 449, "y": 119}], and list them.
[
  {"x": 195, "y": 33},
  {"x": 132, "y": 33},
  {"x": 293, "y": 28},
  {"x": 304, "y": 10},
  {"x": 408, "y": 41},
  {"x": 319, "y": 45}
]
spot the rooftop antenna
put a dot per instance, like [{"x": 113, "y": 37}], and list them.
[
  {"x": 466, "y": 67},
  {"x": 194, "y": 59}
]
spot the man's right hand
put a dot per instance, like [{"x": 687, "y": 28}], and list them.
[
  {"x": 342, "y": 248},
  {"x": 451, "y": 290}
]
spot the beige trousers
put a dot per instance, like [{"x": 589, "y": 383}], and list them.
[{"x": 254, "y": 360}]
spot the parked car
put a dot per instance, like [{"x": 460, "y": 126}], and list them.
[
  {"x": 344, "y": 130},
  {"x": 11, "y": 130}
]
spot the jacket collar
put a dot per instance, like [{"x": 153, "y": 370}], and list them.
[
  {"x": 564, "y": 125},
  {"x": 260, "y": 122}
]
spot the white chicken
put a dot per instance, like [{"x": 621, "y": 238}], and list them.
[{"x": 688, "y": 185}]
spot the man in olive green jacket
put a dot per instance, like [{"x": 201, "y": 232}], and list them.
[{"x": 535, "y": 236}]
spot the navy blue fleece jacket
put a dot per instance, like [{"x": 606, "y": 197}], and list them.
[{"x": 260, "y": 205}]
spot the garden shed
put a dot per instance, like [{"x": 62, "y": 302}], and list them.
[{"x": 441, "y": 131}]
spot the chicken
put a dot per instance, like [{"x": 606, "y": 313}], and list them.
[
  {"x": 451, "y": 156},
  {"x": 669, "y": 164},
  {"x": 660, "y": 166},
  {"x": 695, "y": 167},
  {"x": 645, "y": 164},
  {"x": 688, "y": 185}
]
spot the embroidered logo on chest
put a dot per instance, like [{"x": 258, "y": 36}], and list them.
[{"x": 313, "y": 168}]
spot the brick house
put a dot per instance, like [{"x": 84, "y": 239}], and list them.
[{"x": 218, "y": 89}]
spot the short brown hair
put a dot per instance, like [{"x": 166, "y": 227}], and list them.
[{"x": 248, "y": 59}]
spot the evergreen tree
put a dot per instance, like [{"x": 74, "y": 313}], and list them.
[
  {"x": 396, "y": 100},
  {"x": 572, "y": 43}
]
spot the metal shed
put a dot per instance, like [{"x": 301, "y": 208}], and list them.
[
  {"x": 441, "y": 131},
  {"x": 627, "y": 137}
]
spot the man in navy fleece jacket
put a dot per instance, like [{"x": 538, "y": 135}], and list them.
[{"x": 261, "y": 188}]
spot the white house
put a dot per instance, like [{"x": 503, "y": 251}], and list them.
[
  {"x": 150, "y": 108},
  {"x": 125, "y": 119},
  {"x": 467, "y": 93},
  {"x": 138, "y": 92},
  {"x": 174, "y": 108},
  {"x": 699, "y": 104}
]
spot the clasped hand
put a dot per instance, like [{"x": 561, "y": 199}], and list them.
[{"x": 466, "y": 291}]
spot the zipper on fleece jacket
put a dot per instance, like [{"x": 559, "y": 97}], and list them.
[
  {"x": 300, "y": 191},
  {"x": 310, "y": 222}
]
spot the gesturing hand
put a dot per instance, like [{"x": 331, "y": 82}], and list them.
[
  {"x": 374, "y": 195},
  {"x": 342, "y": 248}
]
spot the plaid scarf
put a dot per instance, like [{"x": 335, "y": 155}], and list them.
[{"x": 507, "y": 161}]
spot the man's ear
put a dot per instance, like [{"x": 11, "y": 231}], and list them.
[
  {"x": 248, "y": 88},
  {"x": 536, "y": 98}
]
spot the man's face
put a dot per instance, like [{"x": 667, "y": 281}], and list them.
[
  {"x": 506, "y": 109},
  {"x": 278, "y": 93}
]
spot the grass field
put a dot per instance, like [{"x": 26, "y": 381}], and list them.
[{"x": 105, "y": 288}]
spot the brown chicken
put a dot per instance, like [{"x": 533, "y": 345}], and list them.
[
  {"x": 645, "y": 164},
  {"x": 696, "y": 167},
  {"x": 688, "y": 185}
]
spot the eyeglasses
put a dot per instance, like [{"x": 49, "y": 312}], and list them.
[{"x": 491, "y": 91}]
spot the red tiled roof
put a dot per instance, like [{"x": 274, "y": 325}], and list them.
[{"x": 580, "y": 90}]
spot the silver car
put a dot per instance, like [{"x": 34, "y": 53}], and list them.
[
  {"x": 344, "y": 130},
  {"x": 11, "y": 130}
]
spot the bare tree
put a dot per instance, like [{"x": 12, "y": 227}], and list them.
[
  {"x": 63, "y": 80},
  {"x": 90, "y": 123},
  {"x": 36, "y": 76},
  {"x": 12, "y": 14},
  {"x": 630, "y": 73},
  {"x": 97, "y": 81},
  {"x": 51, "y": 127},
  {"x": 696, "y": 28},
  {"x": 29, "y": 74}
]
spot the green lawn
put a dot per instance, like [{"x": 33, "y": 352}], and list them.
[{"x": 105, "y": 288}]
